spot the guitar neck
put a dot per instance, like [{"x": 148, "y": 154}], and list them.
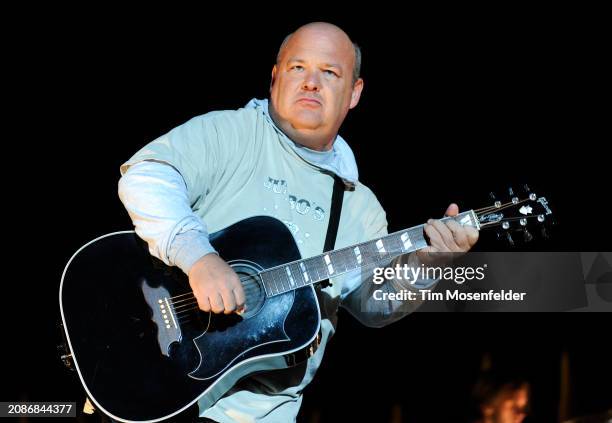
[{"x": 287, "y": 277}]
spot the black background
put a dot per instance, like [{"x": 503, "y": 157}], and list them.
[{"x": 456, "y": 104}]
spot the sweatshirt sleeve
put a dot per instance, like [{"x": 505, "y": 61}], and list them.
[
  {"x": 155, "y": 196},
  {"x": 167, "y": 181}
]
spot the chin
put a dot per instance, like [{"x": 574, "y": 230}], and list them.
[{"x": 306, "y": 121}]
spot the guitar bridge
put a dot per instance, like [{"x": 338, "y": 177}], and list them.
[{"x": 168, "y": 329}]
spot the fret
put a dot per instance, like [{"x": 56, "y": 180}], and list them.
[
  {"x": 406, "y": 242},
  {"x": 290, "y": 277},
  {"x": 388, "y": 253},
  {"x": 315, "y": 269},
  {"x": 278, "y": 279},
  {"x": 304, "y": 272},
  {"x": 378, "y": 252},
  {"x": 318, "y": 268},
  {"x": 368, "y": 252},
  {"x": 311, "y": 267},
  {"x": 350, "y": 260},
  {"x": 357, "y": 255},
  {"x": 264, "y": 282},
  {"x": 311, "y": 270},
  {"x": 339, "y": 261},
  {"x": 297, "y": 275},
  {"x": 395, "y": 245},
  {"x": 336, "y": 262},
  {"x": 329, "y": 267},
  {"x": 380, "y": 246},
  {"x": 271, "y": 282},
  {"x": 282, "y": 275},
  {"x": 417, "y": 238}
]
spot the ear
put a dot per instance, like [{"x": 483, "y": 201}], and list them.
[
  {"x": 273, "y": 79},
  {"x": 356, "y": 94}
]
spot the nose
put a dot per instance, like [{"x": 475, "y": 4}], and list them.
[{"x": 311, "y": 82}]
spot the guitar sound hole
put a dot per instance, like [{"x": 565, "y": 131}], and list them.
[{"x": 251, "y": 283}]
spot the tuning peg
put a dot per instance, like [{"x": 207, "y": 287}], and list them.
[
  {"x": 514, "y": 197},
  {"x": 527, "y": 237},
  {"x": 496, "y": 202},
  {"x": 544, "y": 233},
  {"x": 509, "y": 239},
  {"x": 530, "y": 194}
]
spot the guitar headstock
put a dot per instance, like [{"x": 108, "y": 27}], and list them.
[{"x": 519, "y": 213}]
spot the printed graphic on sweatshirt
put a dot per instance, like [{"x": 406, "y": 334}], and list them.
[{"x": 300, "y": 205}]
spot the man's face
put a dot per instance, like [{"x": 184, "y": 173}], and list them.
[
  {"x": 509, "y": 407},
  {"x": 312, "y": 86}
]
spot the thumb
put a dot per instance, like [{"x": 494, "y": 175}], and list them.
[{"x": 452, "y": 210}]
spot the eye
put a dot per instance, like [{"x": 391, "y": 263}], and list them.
[
  {"x": 330, "y": 72},
  {"x": 297, "y": 68}
]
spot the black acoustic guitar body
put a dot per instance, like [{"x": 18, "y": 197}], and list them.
[{"x": 143, "y": 350}]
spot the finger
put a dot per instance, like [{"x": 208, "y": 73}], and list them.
[
  {"x": 472, "y": 235},
  {"x": 216, "y": 303},
  {"x": 435, "y": 238},
  {"x": 446, "y": 234},
  {"x": 239, "y": 296},
  {"x": 452, "y": 210},
  {"x": 204, "y": 304},
  {"x": 459, "y": 234},
  {"x": 229, "y": 302},
  {"x": 425, "y": 255}
]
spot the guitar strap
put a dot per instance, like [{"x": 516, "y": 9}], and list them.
[
  {"x": 334, "y": 218},
  {"x": 334, "y": 214},
  {"x": 330, "y": 241}
]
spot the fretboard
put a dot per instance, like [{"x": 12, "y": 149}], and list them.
[{"x": 280, "y": 279}]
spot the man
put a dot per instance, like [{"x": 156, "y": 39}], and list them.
[
  {"x": 501, "y": 397},
  {"x": 272, "y": 158}
]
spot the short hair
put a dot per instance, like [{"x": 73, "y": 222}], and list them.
[{"x": 356, "y": 68}]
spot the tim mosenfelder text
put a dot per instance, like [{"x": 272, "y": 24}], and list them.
[{"x": 431, "y": 274}]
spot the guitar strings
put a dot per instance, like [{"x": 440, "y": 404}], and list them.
[
  {"x": 249, "y": 292},
  {"x": 489, "y": 209},
  {"x": 185, "y": 310},
  {"x": 509, "y": 219},
  {"x": 185, "y": 303},
  {"x": 249, "y": 285},
  {"x": 246, "y": 278}
]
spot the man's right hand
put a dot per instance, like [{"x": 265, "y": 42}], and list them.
[{"x": 216, "y": 286}]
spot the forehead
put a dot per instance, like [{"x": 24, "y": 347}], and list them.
[{"x": 319, "y": 46}]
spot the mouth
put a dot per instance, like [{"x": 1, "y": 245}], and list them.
[{"x": 308, "y": 101}]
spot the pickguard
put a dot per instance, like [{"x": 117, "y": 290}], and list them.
[{"x": 225, "y": 341}]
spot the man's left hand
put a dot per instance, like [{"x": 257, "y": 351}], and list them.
[{"x": 446, "y": 238}]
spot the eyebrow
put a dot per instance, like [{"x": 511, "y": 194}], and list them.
[{"x": 326, "y": 65}]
